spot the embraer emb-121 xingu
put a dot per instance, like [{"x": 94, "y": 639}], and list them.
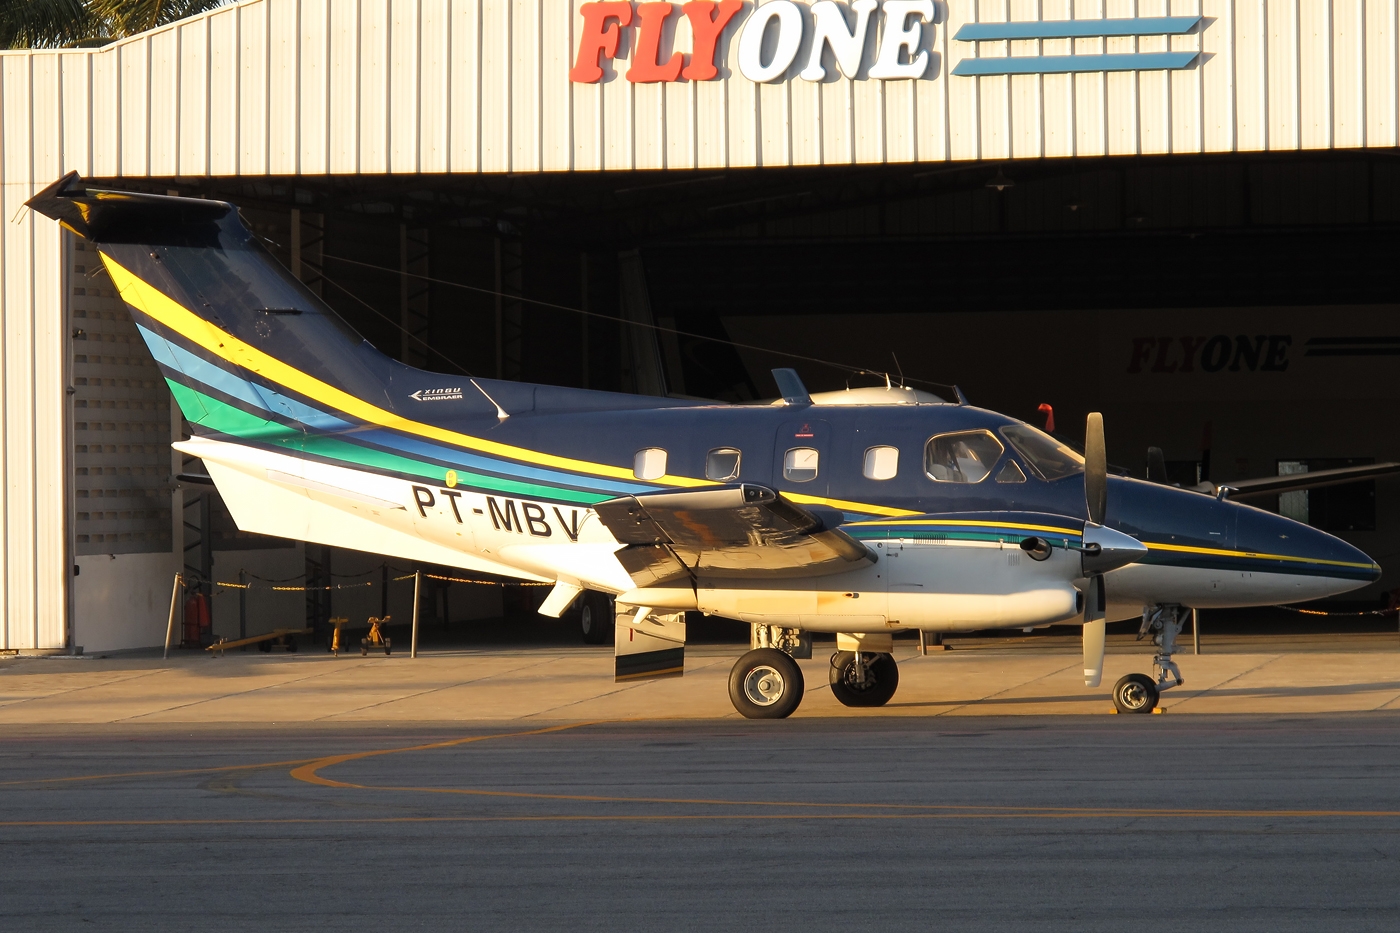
[{"x": 860, "y": 513}]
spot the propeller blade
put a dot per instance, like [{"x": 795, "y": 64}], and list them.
[
  {"x": 1094, "y": 635},
  {"x": 1095, "y": 469},
  {"x": 1095, "y": 607}
]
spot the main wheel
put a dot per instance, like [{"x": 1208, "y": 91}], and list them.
[
  {"x": 878, "y": 687},
  {"x": 1135, "y": 693},
  {"x": 387, "y": 645},
  {"x": 596, "y": 618},
  {"x": 766, "y": 684}
]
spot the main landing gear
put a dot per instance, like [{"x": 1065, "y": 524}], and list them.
[
  {"x": 766, "y": 683},
  {"x": 862, "y": 678},
  {"x": 1139, "y": 693},
  {"x": 596, "y": 617}
]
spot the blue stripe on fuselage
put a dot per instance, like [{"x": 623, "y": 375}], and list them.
[{"x": 274, "y": 403}]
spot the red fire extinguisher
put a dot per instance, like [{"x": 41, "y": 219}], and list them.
[{"x": 199, "y": 628}]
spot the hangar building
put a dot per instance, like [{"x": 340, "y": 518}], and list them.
[{"x": 1180, "y": 212}]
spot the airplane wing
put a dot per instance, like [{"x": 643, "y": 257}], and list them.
[
  {"x": 743, "y": 530},
  {"x": 1273, "y": 485}
]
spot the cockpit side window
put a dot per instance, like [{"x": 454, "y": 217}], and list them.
[
  {"x": 964, "y": 457},
  {"x": 1011, "y": 473},
  {"x": 1049, "y": 458}
]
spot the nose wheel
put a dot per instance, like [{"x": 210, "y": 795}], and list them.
[{"x": 1135, "y": 693}]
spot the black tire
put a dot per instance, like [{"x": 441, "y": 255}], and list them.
[
  {"x": 1135, "y": 693},
  {"x": 265, "y": 646},
  {"x": 291, "y": 644},
  {"x": 387, "y": 645},
  {"x": 881, "y": 681},
  {"x": 596, "y": 618},
  {"x": 766, "y": 684}
]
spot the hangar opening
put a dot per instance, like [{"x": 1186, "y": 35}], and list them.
[
  {"x": 1235, "y": 312},
  {"x": 1194, "y": 245}
]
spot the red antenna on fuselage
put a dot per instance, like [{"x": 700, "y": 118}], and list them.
[{"x": 1049, "y": 416}]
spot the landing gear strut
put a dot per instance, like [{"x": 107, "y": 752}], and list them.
[
  {"x": 1139, "y": 693},
  {"x": 863, "y": 678}
]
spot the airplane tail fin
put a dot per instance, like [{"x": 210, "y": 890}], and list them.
[{"x": 229, "y": 325}]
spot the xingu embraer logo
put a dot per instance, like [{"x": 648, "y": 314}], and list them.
[{"x": 436, "y": 395}]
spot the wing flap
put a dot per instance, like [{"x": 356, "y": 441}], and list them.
[{"x": 743, "y": 530}]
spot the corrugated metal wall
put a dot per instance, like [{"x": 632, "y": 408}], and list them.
[{"x": 313, "y": 87}]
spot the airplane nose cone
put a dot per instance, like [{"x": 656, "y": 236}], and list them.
[{"x": 1285, "y": 546}]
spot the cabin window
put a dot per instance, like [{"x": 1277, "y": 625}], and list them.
[
  {"x": 964, "y": 457},
  {"x": 722, "y": 464},
  {"x": 649, "y": 463},
  {"x": 800, "y": 465},
  {"x": 881, "y": 463},
  {"x": 1047, "y": 456},
  {"x": 1011, "y": 473}
]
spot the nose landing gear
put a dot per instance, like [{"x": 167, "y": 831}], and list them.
[{"x": 1139, "y": 693}]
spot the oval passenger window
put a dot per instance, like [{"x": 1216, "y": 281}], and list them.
[
  {"x": 722, "y": 464},
  {"x": 881, "y": 462},
  {"x": 650, "y": 463},
  {"x": 800, "y": 465}
]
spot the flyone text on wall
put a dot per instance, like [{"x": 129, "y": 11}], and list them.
[{"x": 770, "y": 38}]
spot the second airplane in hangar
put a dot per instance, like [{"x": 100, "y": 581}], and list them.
[{"x": 860, "y": 513}]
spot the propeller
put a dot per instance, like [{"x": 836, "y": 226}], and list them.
[
  {"x": 1095, "y": 468},
  {"x": 1103, "y": 550}
]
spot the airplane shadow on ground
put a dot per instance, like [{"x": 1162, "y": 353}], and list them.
[{"x": 1325, "y": 690}]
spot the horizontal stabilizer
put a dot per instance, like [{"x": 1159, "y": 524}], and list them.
[{"x": 1292, "y": 482}]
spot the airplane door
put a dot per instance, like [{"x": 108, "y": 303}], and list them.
[{"x": 802, "y": 458}]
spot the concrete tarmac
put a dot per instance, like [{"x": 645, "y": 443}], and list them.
[
  {"x": 1052, "y": 822},
  {"x": 1298, "y": 674}
]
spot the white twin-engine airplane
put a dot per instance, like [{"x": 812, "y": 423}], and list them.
[{"x": 860, "y": 513}]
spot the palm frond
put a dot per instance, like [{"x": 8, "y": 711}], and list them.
[
  {"x": 128, "y": 17},
  {"x": 43, "y": 23}
]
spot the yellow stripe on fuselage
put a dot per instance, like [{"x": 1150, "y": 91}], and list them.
[
  {"x": 172, "y": 314},
  {"x": 1221, "y": 552},
  {"x": 979, "y": 524},
  {"x": 169, "y": 312}
]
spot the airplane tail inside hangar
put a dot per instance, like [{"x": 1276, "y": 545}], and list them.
[{"x": 1184, "y": 215}]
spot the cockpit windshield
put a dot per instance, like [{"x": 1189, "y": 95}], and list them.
[{"x": 1050, "y": 458}]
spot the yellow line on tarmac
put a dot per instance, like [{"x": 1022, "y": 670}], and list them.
[
  {"x": 973, "y": 813},
  {"x": 137, "y": 774},
  {"x": 307, "y": 772}
]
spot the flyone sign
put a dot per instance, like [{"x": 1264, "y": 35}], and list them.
[{"x": 770, "y": 37}]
